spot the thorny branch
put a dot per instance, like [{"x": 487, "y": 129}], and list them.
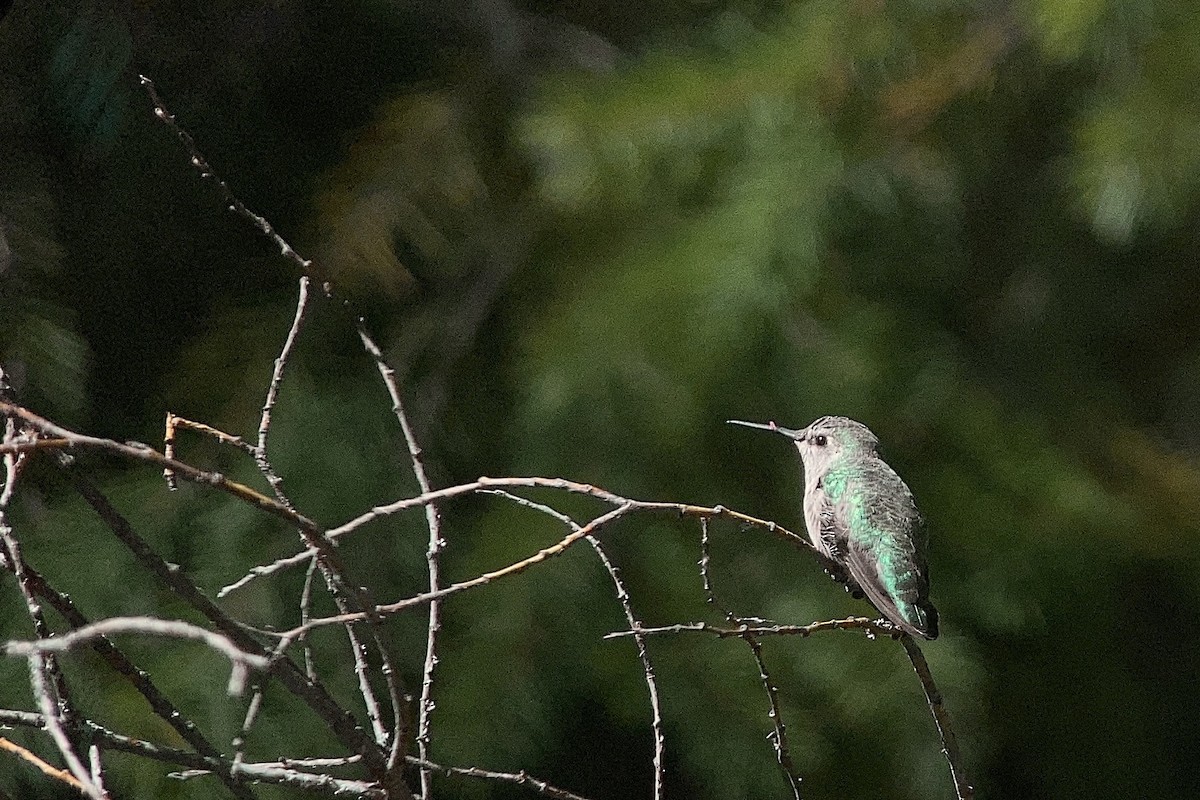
[
  {"x": 206, "y": 171},
  {"x": 962, "y": 785},
  {"x": 138, "y": 679},
  {"x": 624, "y": 506},
  {"x": 871, "y": 627},
  {"x": 310, "y": 691},
  {"x": 45, "y": 680},
  {"x": 150, "y": 626},
  {"x": 208, "y": 765},
  {"x": 347, "y": 595},
  {"x": 334, "y": 575},
  {"x": 635, "y": 629},
  {"x": 432, "y": 555},
  {"x": 484, "y": 483},
  {"x": 519, "y": 778},
  {"x": 779, "y": 740},
  {"x": 298, "y": 773}
]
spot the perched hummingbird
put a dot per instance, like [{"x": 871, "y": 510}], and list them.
[{"x": 862, "y": 515}]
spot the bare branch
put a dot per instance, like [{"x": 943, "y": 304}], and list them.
[
  {"x": 331, "y": 568},
  {"x": 198, "y": 765},
  {"x": 270, "y": 773},
  {"x": 333, "y": 572},
  {"x": 28, "y": 445},
  {"x": 742, "y": 630},
  {"x": 147, "y": 625},
  {"x": 231, "y": 200},
  {"x": 635, "y": 626},
  {"x": 519, "y": 778},
  {"x": 368, "y": 747},
  {"x": 779, "y": 740},
  {"x": 45, "y": 681},
  {"x": 870, "y": 626},
  {"x": 432, "y": 553},
  {"x": 49, "y": 769},
  {"x": 480, "y": 580},
  {"x": 962, "y": 785},
  {"x": 138, "y": 678},
  {"x": 239, "y": 740},
  {"x": 264, "y": 423},
  {"x": 348, "y": 595},
  {"x": 143, "y": 452},
  {"x": 287, "y": 772},
  {"x": 312, "y": 692},
  {"x": 484, "y": 483},
  {"x": 175, "y": 422}
]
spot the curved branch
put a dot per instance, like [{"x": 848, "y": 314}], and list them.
[{"x": 962, "y": 785}]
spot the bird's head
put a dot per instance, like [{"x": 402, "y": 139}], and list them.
[{"x": 825, "y": 440}]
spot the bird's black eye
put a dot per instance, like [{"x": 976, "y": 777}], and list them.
[{"x": 820, "y": 441}]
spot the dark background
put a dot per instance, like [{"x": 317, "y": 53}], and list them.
[{"x": 588, "y": 233}]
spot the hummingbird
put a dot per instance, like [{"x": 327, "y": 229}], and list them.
[{"x": 862, "y": 515}]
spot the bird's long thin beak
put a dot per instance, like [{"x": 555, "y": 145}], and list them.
[{"x": 769, "y": 426}]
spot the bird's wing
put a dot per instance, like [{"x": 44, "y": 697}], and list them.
[
  {"x": 864, "y": 569},
  {"x": 889, "y": 567}
]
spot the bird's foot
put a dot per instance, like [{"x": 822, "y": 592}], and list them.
[{"x": 892, "y": 628}]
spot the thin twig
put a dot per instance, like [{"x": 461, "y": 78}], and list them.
[
  {"x": 388, "y": 609},
  {"x": 45, "y": 681},
  {"x": 354, "y": 603},
  {"x": 289, "y": 345},
  {"x": 870, "y": 626},
  {"x": 146, "y": 625},
  {"x": 138, "y": 678},
  {"x": 287, "y": 772},
  {"x": 206, "y": 171},
  {"x": 201, "y": 765},
  {"x": 310, "y": 664},
  {"x": 434, "y": 522},
  {"x": 65, "y": 439},
  {"x": 175, "y": 422},
  {"x": 48, "y": 769},
  {"x": 635, "y": 625},
  {"x": 779, "y": 733},
  {"x": 311, "y": 692},
  {"x": 169, "y": 451},
  {"x": 332, "y": 571},
  {"x": 962, "y": 785},
  {"x": 520, "y": 778},
  {"x": 145, "y": 453},
  {"x": 62, "y": 439},
  {"x": 29, "y": 445},
  {"x": 252, "y": 711},
  {"x": 379, "y": 512},
  {"x": 96, "y": 767},
  {"x": 347, "y": 595},
  {"x": 310, "y": 763},
  {"x": 51, "y": 707}
]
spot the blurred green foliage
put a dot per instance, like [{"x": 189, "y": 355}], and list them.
[{"x": 588, "y": 234}]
